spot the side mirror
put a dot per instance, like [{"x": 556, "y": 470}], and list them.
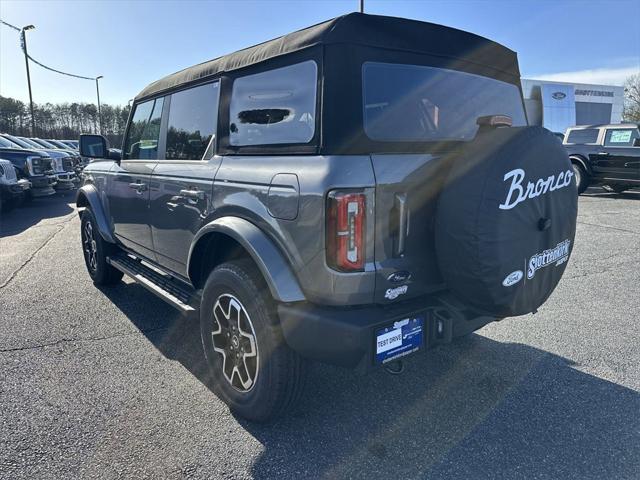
[
  {"x": 636, "y": 142},
  {"x": 115, "y": 155},
  {"x": 93, "y": 146}
]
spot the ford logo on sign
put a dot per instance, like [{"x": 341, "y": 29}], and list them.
[{"x": 558, "y": 95}]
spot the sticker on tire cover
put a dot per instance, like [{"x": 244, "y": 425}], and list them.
[
  {"x": 558, "y": 255},
  {"x": 512, "y": 278}
]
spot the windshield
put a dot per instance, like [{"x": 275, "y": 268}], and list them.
[
  {"x": 4, "y": 143},
  {"x": 18, "y": 141},
  {"x": 410, "y": 103},
  {"x": 31, "y": 143},
  {"x": 45, "y": 144},
  {"x": 57, "y": 144}
]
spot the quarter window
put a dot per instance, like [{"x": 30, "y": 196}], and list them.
[
  {"x": 192, "y": 123},
  {"x": 585, "y": 135},
  {"x": 142, "y": 140},
  {"x": 274, "y": 107},
  {"x": 621, "y": 137}
]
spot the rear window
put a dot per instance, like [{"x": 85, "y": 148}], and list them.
[
  {"x": 586, "y": 135},
  {"x": 274, "y": 107},
  {"x": 413, "y": 103},
  {"x": 621, "y": 137},
  {"x": 193, "y": 115}
]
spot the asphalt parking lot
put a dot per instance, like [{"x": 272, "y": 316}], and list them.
[{"x": 110, "y": 383}]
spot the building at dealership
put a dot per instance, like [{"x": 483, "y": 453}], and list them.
[{"x": 559, "y": 105}]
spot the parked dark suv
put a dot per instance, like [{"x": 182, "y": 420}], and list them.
[
  {"x": 349, "y": 193},
  {"x": 32, "y": 165}
]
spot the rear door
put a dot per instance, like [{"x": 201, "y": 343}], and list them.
[
  {"x": 180, "y": 187},
  {"x": 128, "y": 189},
  {"x": 419, "y": 108},
  {"x": 622, "y": 157}
]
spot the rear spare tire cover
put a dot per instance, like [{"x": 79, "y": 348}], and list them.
[{"x": 506, "y": 220}]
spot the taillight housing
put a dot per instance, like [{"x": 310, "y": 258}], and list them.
[{"x": 346, "y": 222}]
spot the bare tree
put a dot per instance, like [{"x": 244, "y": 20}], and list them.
[
  {"x": 63, "y": 120},
  {"x": 632, "y": 99}
]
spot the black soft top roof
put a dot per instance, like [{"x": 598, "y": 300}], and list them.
[{"x": 376, "y": 31}]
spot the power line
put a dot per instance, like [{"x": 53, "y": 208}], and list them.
[
  {"x": 37, "y": 62},
  {"x": 9, "y": 25}
]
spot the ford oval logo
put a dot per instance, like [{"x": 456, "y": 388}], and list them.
[
  {"x": 512, "y": 278},
  {"x": 399, "y": 277},
  {"x": 558, "y": 95}
]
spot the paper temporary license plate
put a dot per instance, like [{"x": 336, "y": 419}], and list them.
[{"x": 399, "y": 339}]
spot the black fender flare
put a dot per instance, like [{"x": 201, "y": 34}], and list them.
[
  {"x": 89, "y": 197},
  {"x": 282, "y": 282},
  {"x": 579, "y": 159}
]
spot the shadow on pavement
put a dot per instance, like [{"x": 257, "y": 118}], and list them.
[
  {"x": 475, "y": 409},
  {"x": 22, "y": 217},
  {"x": 598, "y": 192}
]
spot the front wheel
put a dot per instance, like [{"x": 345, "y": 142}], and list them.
[
  {"x": 582, "y": 181},
  {"x": 96, "y": 251},
  {"x": 252, "y": 368}
]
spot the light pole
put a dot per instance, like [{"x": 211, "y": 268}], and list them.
[
  {"x": 99, "y": 111},
  {"x": 26, "y": 61},
  {"x": 361, "y": 6}
]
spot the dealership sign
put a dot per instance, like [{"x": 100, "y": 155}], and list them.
[{"x": 594, "y": 93}]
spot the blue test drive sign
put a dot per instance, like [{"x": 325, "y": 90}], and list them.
[{"x": 399, "y": 339}]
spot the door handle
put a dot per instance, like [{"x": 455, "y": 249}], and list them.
[
  {"x": 193, "y": 194},
  {"x": 603, "y": 154},
  {"x": 139, "y": 187}
]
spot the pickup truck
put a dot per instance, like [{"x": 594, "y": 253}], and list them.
[
  {"x": 607, "y": 155},
  {"x": 32, "y": 165}
]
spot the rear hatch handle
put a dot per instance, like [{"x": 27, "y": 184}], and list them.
[{"x": 402, "y": 215}]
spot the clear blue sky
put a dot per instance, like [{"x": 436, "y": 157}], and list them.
[{"x": 133, "y": 43}]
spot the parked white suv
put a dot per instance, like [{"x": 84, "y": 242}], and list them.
[{"x": 11, "y": 189}]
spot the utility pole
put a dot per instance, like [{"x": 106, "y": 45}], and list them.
[
  {"x": 99, "y": 111},
  {"x": 26, "y": 61},
  {"x": 361, "y": 6}
]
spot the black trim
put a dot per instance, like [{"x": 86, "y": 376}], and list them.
[{"x": 355, "y": 29}]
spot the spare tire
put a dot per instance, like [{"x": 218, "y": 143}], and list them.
[{"x": 506, "y": 220}]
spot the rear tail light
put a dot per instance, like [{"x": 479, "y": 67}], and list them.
[{"x": 346, "y": 215}]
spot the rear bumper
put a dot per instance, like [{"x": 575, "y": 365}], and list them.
[{"x": 346, "y": 336}]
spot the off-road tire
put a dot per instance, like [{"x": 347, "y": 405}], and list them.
[
  {"x": 95, "y": 251},
  {"x": 280, "y": 372},
  {"x": 581, "y": 176}
]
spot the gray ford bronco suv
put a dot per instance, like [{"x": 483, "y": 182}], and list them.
[{"x": 350, "y": 193}]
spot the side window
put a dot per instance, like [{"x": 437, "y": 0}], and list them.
[
  {"x": 142, "y": 139},
  {"x": 586, "y": 135},
  {"x": 193, "y": 116},
  {"x": 621, "y": 137},
  {"x": 274, "y": 107}
]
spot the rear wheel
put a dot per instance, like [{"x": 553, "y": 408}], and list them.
[
  {"x": 96, "y": 251},
  {"x": 253, "y": 370},
  {"x": 582, "y": 180}
]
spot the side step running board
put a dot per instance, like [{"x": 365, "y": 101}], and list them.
[{"x": 176, "y": 293}]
